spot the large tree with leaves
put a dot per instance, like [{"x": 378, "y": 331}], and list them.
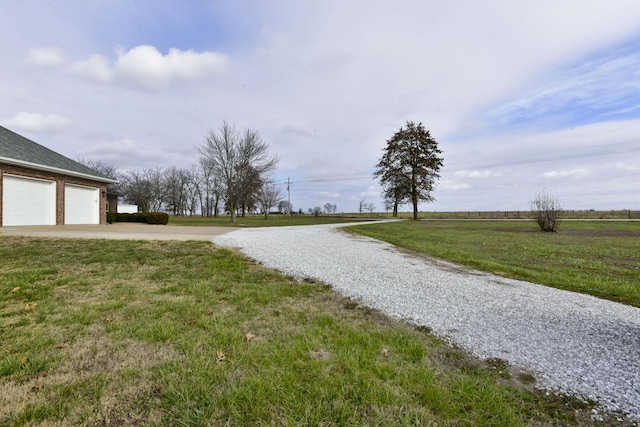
[{"x": 409, "y": 167}]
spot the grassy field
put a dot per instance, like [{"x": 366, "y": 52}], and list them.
[
  {"x": 567, "y": 214},
  {"x": 98, "y": 333},
  {"x": 259, "y": 221},
  {"x": 277, "y": 220},
  {"x": 593, "y": 257}
]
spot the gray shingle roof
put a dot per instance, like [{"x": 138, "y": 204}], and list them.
[{"x": 18, "y": 150}]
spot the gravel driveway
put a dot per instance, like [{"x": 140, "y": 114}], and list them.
[{"x": 574, "y": 343}]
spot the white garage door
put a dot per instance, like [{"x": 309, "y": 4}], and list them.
[
  {"x": 27, "y": 201},
  {"x": 81, "y": 205}
]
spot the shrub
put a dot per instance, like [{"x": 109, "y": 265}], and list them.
[
  {"x": 157, "y": 218},
  {"x": 130, "y": 217},
  {"x": 142, "y": 217},
  {"x": 546, "y": 211}
]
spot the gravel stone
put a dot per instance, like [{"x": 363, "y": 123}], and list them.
[{"x": 574, "y": 343}]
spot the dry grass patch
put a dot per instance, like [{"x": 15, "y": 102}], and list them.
[{"x": 97, "y": 381}]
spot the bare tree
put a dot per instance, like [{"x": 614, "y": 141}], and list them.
[
  {"x": 177, "y": 182},
  {"x": 268, "y": 197},
  {"x": 209, "y": 190},
  {"x": 546, "y": 211},
  {"x": 181, "y": 190},
  {"x": 370, "y": 207},
  {"x": 106, "y": 169},
  {"x": 330, "y": 208},
  {"x": 410, "y": 166},
  {"x": 194, "y": 181},
  {"x": 145, "y": 189},
  {"x": 316, "y": 211},
  {"x": 239, "y": 162}
]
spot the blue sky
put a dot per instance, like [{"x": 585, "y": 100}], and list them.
[{"x": 521, "y": 96}]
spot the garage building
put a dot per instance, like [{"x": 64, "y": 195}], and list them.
[{"x": 41, "y": 187}]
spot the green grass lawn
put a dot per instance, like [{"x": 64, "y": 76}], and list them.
[
  {"x": 593, "y": 257},
  {"x": 97, "y": 332}
]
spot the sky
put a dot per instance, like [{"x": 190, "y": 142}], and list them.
[{"x": 523, "y": 97}]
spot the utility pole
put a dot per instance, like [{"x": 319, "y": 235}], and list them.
[{"x": 289, "y": 197}]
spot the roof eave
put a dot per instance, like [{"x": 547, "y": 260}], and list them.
[{"x": 56, "y": 170}]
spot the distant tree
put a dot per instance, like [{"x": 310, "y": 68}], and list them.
[
  {"x": 177, "y": 183},
  {"x": 330, "y": 208},
  {"x": 361, "y": 206},
  {"x": 370, "y": 207},
  {"x": 268, "y": 197},
  {"x": 409, "y": 166},
  {"x": 106, "y": 169},
  {"x": 192, "y": 192},
  {"x": 316, "y": 211},
  {"x": 239, "y": 162},
  {"x": 209, "y": 190},
  {"x": 144, "y": 188},
  {"x": 284, "y": 207},
  {"x": 546, "y": 211},
  {"x": 249, "y": 189},
  {"x": 181, "y": 190}
]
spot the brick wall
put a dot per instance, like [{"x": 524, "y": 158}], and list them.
[{"x": 61, "y": 181}]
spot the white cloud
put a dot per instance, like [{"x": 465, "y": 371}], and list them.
[
  {"x": 147, "y": 67},
  {"x": 49, "y": 123},
  {"x": 624, "y": 167},
  {"x": 328, "y": 195},
  {"x": 476, "y": 174},
  {"x": 372, "y": 191},
  {"x": 46, "y": 57},
  {"x": 572, "y": 173},
  {"x": 453, "y": 186},
  {"x": 125, "y": 154},
  {"x": 96, "y": 68},
  {"x": 122, "y": 147}
]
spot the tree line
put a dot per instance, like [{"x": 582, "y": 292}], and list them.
[{"x": 234, "y": 174}]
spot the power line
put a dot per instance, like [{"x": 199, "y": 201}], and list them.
[
  {"x": 504, "y": 161},
  {"x": 570, "y": 155},
  {"x": 357, "y": 178}
]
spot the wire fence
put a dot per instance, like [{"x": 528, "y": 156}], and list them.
[{"x": 566, "y": 214}]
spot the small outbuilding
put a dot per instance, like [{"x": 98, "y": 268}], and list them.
[{"x": 41, "y": 187}]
